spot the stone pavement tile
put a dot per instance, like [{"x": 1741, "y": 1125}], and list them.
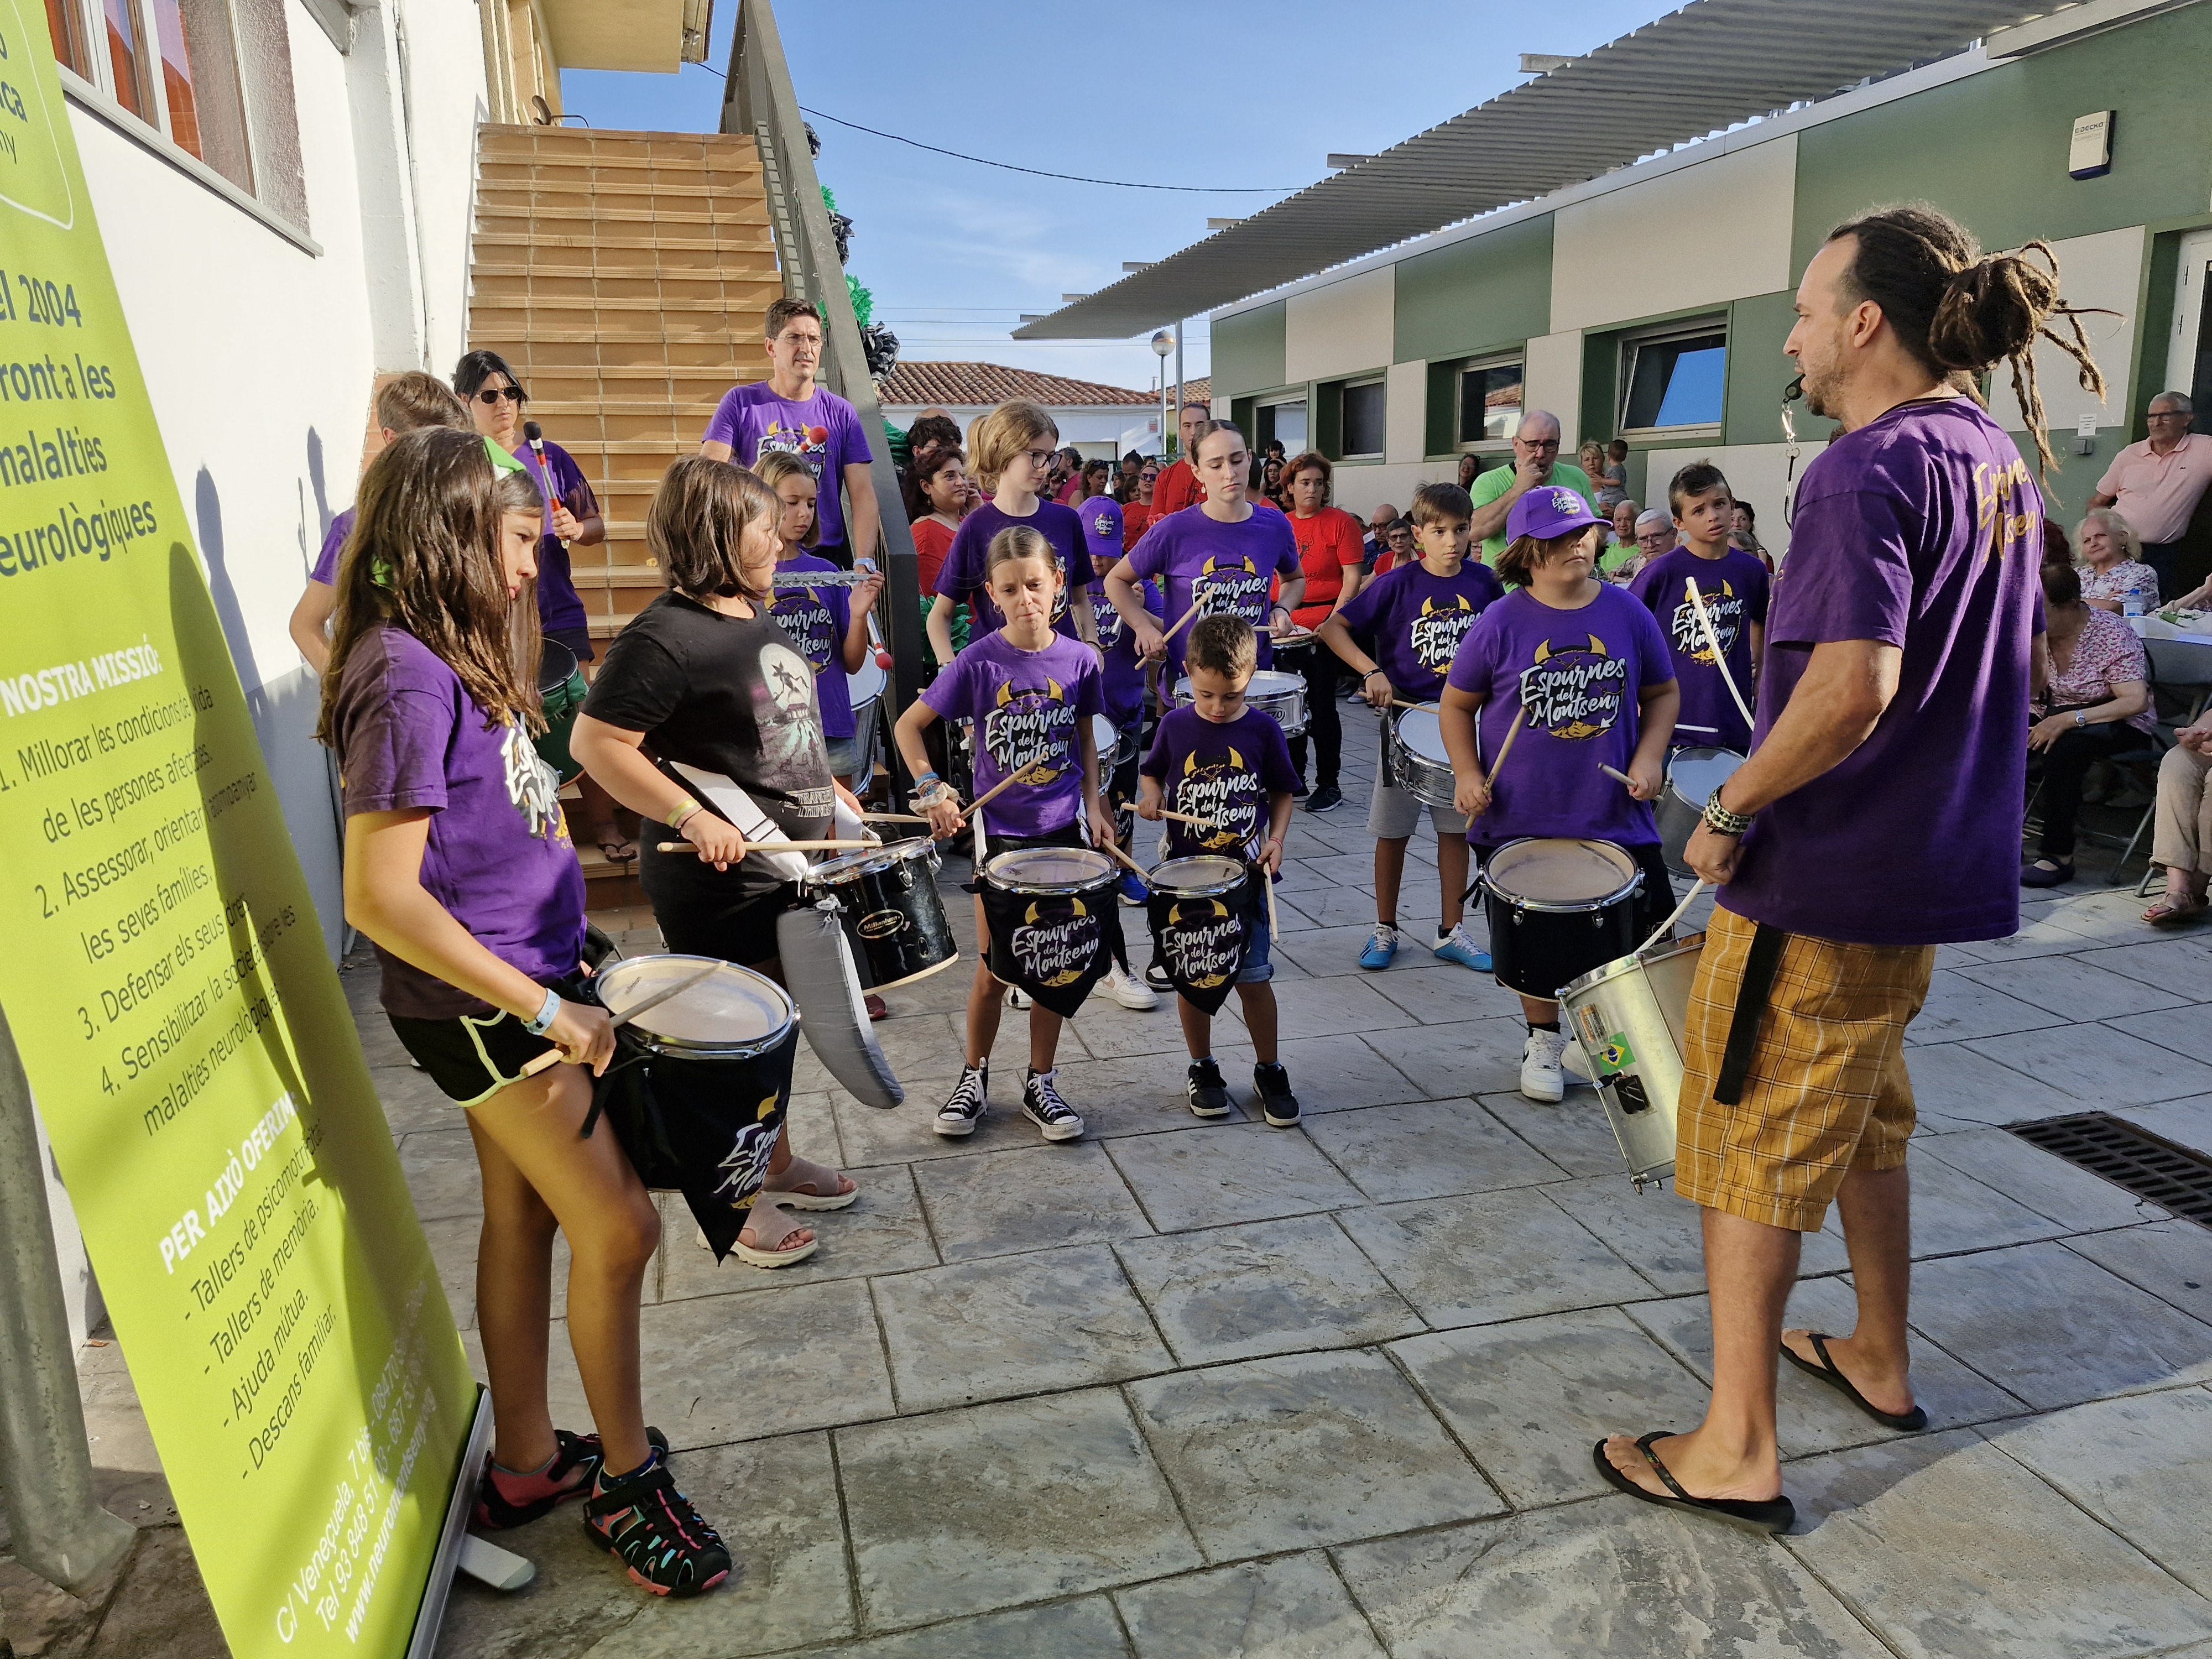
[
  {"x": 1340, "y": 906},
  {"x": 127, "y": 1478},
  {"x": 1343, "y": 869},
  {"x": 1951, "y": 1550},
  {"x": 1812, "y": 1417},
  {"x": 441, "y": 1167},
  {"x": 1958, "y": 1008},
  {"x": 1082, "y": 1629},
  {"x": 1614, "y": 1577},
  {"x": 2112, "y": 915},
  {"x": 965, "y": 1512},
  {"x": 1528, "y": 1399},
  {"x": 1238, "y": 1172},
  {"x": 872, "y": 1135},
  {"x": 2100, "y": 1067},
  {"x": 1265, "y": 1288},
  {"x": 1299, "y": 878},
  {"x": 996, "y": 1203},
  {"x": 1332, "y": 1004},
  {"x": 1661, "y": 1235},
  {"x": 984, "y": 1330},
  {"x": 1137, "y": 1094},
  {"x": 1309, "y": 1449},
  {"x": 811, "y": 1128},
  {"x": 919, "y": 1046},
  {"x": 2177, "y": 1029},
  {"x": 1334, "y": 951},
  {"x": 774, "y": 1502},
  {"x": 1329, "y": 1073},
  {"x": 2171, "y": 1260},
  {"x": 1110, "y": 1031},
  {"x": 1573, "y": 1132},
  {"x": 1445, "y": 993},
  {"x": 412, "y": 1102},
  {"x": 1427, "y": 1149},
  {"x": 2054, "y": 1328},
  {"x": 2182, "y": 962},
  {"x": 881, "y": 1231},
  {"x": 158, "y": 1609},
  {"x": 2071, "y": 988},
  {"x": 2043, "y": 1181},
  {"x": 1493, "y": 1256},
  {"x": 2184, "y": 1122},
  {"x": 2141, "y": 1465},
  {"x": 1952, "y": 1211},
  {"x": 2039, "y": 936},
  {"x": 1951, "y": 1081},
  {"x": 1291, "y": 1607},
  {"x": 1474, "y": 1057}
]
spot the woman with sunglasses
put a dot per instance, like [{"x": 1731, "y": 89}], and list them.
[{"x": 495, "y": 396}]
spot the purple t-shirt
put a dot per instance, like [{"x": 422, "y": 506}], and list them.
[
  {"x": 1733, "y": 587},
  {"x": 1418, "y": 619},
  {"x": 824, "y": 432},
  {"x": 1028, "y": 707},
  {"x": 408, "y": 734},
  {"x": 1231, "y": 566},
  {"x": 1222, "y": 771},
  {"x": 963, "y": 576},
  {"x": 816, "y": 618},
  {"x": 1579, "y": 674},
  {"x": 1125, "y": 669},
  {"x": 559, "y": 609},
  {"x": 1922, "y": 530},
  {"x": 326, "y": 562}
]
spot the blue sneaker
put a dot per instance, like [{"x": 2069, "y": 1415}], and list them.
[
  {"x": 1382, "y": 946},
  {"x": 1133, "y": 891},
  {"x": 1459, "y": 946}
]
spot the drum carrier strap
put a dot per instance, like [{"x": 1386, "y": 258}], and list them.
[{"x": 1759, "y": 964}]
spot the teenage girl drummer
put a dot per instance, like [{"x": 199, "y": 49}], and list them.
[
  {"x": 459, "y": 870},
  {"x": 1588, "y": 672}
]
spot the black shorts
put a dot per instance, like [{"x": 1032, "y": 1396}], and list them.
[
  {"x": 705, "y": 912},
  {"x": 473, "y": 1056}
]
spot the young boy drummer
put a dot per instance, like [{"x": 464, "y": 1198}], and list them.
[
  {"x": 1218, "y": 760},
  {"x": 1583, "y": 671},
  {"x": 1417, "y": 613},
  {"x": 1734, "y": 585}
]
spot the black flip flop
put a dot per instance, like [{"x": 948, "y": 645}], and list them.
[
  {"x": 1826, "y": 1371},
  {"x": 1772, "y": 1515}
]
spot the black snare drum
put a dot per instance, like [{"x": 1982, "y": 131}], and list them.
[
  {"x": 1557, "y": 908},
  {"x": 889, "y": 895}
]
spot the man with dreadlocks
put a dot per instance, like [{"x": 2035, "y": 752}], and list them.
[{"x": 1877, "y": 817}]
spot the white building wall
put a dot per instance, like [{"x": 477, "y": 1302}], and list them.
[
  {"x": 1552, "y": 378},
  {"x": 1341, "y": 329},
  {"x": 1758, "y": 473},
  {"x": 2103, "y": 272}
]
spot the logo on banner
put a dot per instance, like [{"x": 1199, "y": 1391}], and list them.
[
  {"x": 1203, "y": 943},
  {"x": 1031, "y": 731},
  {"x": 1436, "y": 633},
  {"x": 745, "y": 1166},
  {"x": 1725, "y": 607},
  {"x": 1057, "y": 942},
  {"x": 1575, "y": 693}
]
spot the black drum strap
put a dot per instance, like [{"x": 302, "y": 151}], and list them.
[{"x": 1751, "y": 999}]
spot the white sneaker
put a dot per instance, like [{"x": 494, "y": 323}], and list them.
[
  {"x": 1017, "y": 998},
  {"x": 1128, "y": 990},
  {"x": 1541, "y": 1077},
  {"x": 1576, "y": 1063}
]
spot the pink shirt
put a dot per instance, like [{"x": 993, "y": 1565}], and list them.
[
  {"x": 2107, "y": 654},
  {"x": 2156, "y": 493}
]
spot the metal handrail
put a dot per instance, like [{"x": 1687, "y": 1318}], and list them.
[{"x": 761, "y": 103}]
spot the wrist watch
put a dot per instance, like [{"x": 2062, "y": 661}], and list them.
[{"x": 2080, "y": 717}]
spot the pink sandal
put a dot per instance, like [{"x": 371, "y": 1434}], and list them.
[{"x": 2170, "y": 912}]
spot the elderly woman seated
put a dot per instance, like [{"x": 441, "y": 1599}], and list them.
[
  {"x": 2107, "y": 565},
  {"x": 2096, "y": 702}
]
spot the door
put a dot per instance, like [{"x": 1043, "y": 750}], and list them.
[{"x": 2189, "y": 344}]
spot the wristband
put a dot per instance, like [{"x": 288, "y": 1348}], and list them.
[
  {"x": 675, "y": 819},
  {"x": 2080, "y": 717},
  {"x": 546, "y": 1015},
  {"x": 1721, "y": 821}
]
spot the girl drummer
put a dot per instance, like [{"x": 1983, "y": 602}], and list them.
[
  {"x": 829, "y": 625},
  {"x": 459, "y": 870},
  {"x": 706, "y": 677},
  {"x": 1579, "y": 675},
  {"x": 1030, "y": 692}
]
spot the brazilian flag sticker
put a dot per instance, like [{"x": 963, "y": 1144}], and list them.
[{"x": 1614, "y": 1055}]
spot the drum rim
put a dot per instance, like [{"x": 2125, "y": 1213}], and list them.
[
  {"x": 1556, "y": 907},
  {"x": 850, "y": 866},
  {"x": 544, "y": 646},
  {"x": 1620, "y": 967},
  {"x": 1700, "y": 749},
  {"x": 1154, "y": 883},
  {"x": 1106, "y": 877},
  {"x": 696, "y": 1048}
]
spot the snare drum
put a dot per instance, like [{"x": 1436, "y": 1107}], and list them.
[
  {"x": 561, "y": 692},
  {"x": 1629, "y": 1016},
  {"x": 1116, "y": 747},
  {"x": 1693, "y": 775},
  {"x": 733, "y": 1014},
  {"x": 866, "y": 686},
  {"x": 1057, "y": 940},
  {"x": 1557, "y": 908},
  {"x": 1413, "y": 751},
  {"x": 1203, "y": 875},
  {"x": 889, "y": 894},
  {"x": 1271, "y": 692},
  {"x": 1053, "y": 871}
]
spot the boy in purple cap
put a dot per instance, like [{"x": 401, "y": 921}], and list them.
[{"x": 1586, "y": 670}]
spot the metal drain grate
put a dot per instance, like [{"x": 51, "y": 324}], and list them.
[{"x": 2152, "y": 1167}]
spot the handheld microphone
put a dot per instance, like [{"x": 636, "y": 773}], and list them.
[{"x": 534, "y": 436}]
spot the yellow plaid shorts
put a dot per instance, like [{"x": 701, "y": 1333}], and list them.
[{"x": 1826, "y": 1091}]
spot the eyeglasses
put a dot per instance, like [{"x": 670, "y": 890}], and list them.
[
  {"x": 1042, "y": 457},
  {"x": 2167, "y": 415},
  {"x": 492, "y": 394},
  {"x": 1539, "y": 443}
]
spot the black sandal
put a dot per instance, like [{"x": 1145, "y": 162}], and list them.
[
  {"x": 1770, "y": 1515},
  {"x": 1827, "y": 1372}
]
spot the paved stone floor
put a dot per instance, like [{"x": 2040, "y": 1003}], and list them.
[{"x": 1192, "y": 1391}]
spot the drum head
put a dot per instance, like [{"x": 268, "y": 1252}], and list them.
[
  {"x": 1273, "y": 683},
  {"x": 1557, "y": 874},
  {"x": 1049, "y": 870},
  {"x": 868, "y": 684},
  {"x": 846, "y": 865},
  {"x": 1694, "y": 774},
  {"x": 1419, "y": 732},
  {"x": 1201, "y": 874},
  {"x": 1105, "y": 736},
  {"x": 734, "y": 1010},
  {"x": 556, "y": 664}
]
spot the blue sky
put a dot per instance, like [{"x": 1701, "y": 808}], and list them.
[{"x": 1190, "y": 93}]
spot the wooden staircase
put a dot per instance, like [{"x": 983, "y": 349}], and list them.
[{"x": 626, "y": 275}]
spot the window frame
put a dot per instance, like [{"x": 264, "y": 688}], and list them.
[
  {"x": 1460, "y": 369},
  {"x": 1334, "y": 392},
  {"x": 1635, "y": 340},
  {"x": 1302, "y": 396}
]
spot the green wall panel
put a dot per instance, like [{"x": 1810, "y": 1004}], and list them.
[
  {"x": 1247, "y": 351},
  {"x": 1990, "y": 149},
  {"x": 1757, "y": 370},
  {"x": 1487, "y": 292}
]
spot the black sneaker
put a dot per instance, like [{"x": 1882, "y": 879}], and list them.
[
  {"x": 967, "y": 1102},
  {"x": 1207, "y": 1093},
  {"x": 1156, "y": 976},
  {"x": 1272, "y": 1084},
  {"x": 653, "y": 1528},
  {"x": 505, "y": 1498},
  {"x": 1042, "y": 1106},
  {"x": 1298, "y": 790},
  {"x": 1325, "y": 797}
]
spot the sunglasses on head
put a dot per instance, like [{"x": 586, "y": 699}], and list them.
[{"x": 492, "y": 394}]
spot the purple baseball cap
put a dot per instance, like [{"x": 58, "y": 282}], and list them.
[
  {"x": 1102, "y": 530},
  {"x": 1546, "y": 511}
]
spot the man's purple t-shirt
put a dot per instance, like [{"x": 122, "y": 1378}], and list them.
[
  {"x": 326, "y": 562},
  {"x": 1579, "y": 674},
  {"x": 1418, "y": 619},
  {"x": 1125, "y": 669},
  {"x": 816, "y": 618},
  {"x": 1223, "y": 771},
  {"x": 1232, "y": 566},
  {"x": 499, "y": 857},
  {"x": 1921, "y": 530},
  {"x": 824, "y": 432},
  {"x": 1028, "y": 707},
  {"x": 1733, "y": 587},
  {"x": 964, "y": 573}
]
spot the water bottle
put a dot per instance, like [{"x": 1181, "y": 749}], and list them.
[{"x": 2133, "y": 604}]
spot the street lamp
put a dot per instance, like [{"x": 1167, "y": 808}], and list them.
[{"x": 1162, "y": 343}]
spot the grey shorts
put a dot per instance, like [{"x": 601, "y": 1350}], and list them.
[
  {"x": 1393, "y": 814},
  {"x": 848, "y": 754}
]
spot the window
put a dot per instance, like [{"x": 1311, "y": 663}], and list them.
[
  {"x": 200, "y": 81},
  {"x": 1364, "y": 402},
  {"x": 65, "y": 22},
  {"x": 1283, "y": 423},
  {"x": 1674, "y": 379},
  {"x": 126, "y": 56},
  {"x": 1489, "y": 404}
]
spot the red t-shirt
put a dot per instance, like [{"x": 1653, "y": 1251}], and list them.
[
  {"x": 1135, "y": 515},
  {"x": 1327, "y": 542},
  {"x": 932, "y": 542},
  {"x": 1176, "y": 489}
]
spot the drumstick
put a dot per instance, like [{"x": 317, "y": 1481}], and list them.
[
  {"x": 1112, "y": 851},
  {"x": 780, "y": 846},
  {"x": 646, "y": 1004},
  {"x": 1713, "y": 644},
  {"x": 894, "y": 818},
  {"x": 1400, "y": 703},
  {"x": 1196, "y": 605},
  {"x": 1505, "y": 749},
  {"x": 1616, "y": 774},
  {"x": 1203, "y": 823}
]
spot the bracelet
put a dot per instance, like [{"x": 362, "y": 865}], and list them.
[
  {"x": 547, "y": 1014},
  {"x": 920, "y": 778},
  {"x": 1721, "y": 821},
  {"x": 675, "y": 819},
  {"x": 2080, "y": 717}
]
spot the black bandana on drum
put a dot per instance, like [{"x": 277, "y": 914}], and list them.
[
  {"x": 1059, "y": 945},
  {"x": 1202, "y": 942}
]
